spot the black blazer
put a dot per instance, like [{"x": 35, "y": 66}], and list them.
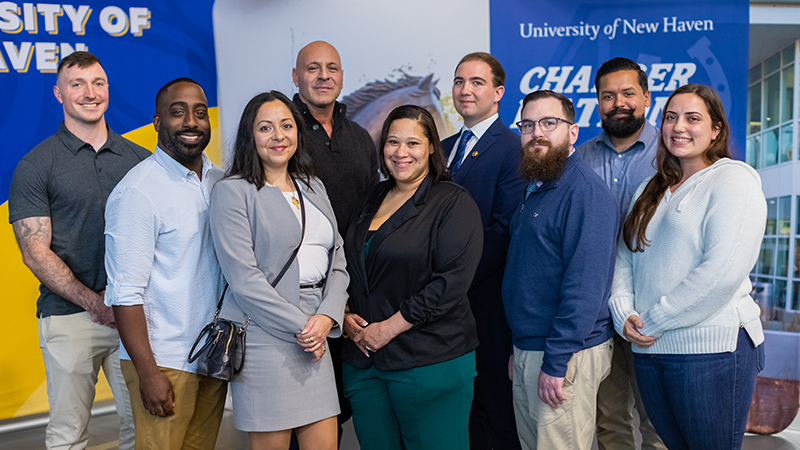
[{"x": 421, "y": 262}]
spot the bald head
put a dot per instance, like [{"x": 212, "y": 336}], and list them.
[
  {"x": 318, "y": 74},
  {"x": 315, "y": 51}
]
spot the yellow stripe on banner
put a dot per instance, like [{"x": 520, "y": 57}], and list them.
[
  {"x": 147, "y": 137},
  {"x": 21, "y": 366},
  {"x": 23, "y": 389}
]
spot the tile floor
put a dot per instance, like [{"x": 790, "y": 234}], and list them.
[{"x": 103, "y": 436}]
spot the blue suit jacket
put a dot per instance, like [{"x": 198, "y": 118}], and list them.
[{"x": 491, "y": 175}]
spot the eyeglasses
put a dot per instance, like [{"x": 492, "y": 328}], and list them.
[{"x": 545, "y": 123}]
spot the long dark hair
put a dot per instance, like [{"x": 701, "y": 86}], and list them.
[
  {"x": 246, "y": 162},
  {"x": 669, "y": 167},
  {"x": 436, "y": 163}
]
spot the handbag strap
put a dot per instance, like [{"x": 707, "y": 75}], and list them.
[
  {"x": 302, "y": 234},
  {"x": 219, "y": 303},
  {"x": 242, "y": 337},
  {"x": 288, "y": 262},
  {"x": 206, "y": 329}
]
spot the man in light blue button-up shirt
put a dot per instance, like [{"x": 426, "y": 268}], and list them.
[
  {"x": 623, "y": 156},
  {"x": 163, "y": 276}
]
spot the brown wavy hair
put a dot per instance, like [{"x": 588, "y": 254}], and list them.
[{"x": 669, "y": 168}]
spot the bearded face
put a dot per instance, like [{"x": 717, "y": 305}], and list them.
[
  {"x": 543, "y": 161},
  {"x": 545, "y": 151},
  {"x": 182, "y": 123},
  {"x": 622, "y": 122},
  {"x": 622, "y": 102}
]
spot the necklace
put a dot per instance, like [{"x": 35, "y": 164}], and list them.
[{"x": 295, "y": 200}]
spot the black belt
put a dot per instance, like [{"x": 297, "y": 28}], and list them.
[{"x": 316, "y": 285}]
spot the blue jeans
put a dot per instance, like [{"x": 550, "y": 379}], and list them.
[{"x": 700, "y": 401}]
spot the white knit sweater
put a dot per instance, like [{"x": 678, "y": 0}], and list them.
[{"x": 690, "y": 287}]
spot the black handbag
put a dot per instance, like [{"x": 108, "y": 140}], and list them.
[{"x": 222, "y": 354}]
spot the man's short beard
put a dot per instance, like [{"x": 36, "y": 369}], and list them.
[
  {"x": 183, "y": 153},
  {"x": 547, "y": 167},
  {"x": 622, "y": 127}
]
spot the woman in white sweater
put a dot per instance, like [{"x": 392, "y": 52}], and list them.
[{"x": 681, "y": 286}]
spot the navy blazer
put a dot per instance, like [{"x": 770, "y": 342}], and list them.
[{"x": 490, "y": 173}]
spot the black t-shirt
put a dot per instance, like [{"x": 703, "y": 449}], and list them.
[{"x": 63, "y": 178}]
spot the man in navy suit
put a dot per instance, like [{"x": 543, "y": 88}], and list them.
[{"x": 484, "y": 158}]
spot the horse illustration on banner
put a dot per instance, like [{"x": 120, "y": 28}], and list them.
[{"x": 370, "y": 105}]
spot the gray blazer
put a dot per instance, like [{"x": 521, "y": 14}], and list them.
[{"x": 254, "y": 233}]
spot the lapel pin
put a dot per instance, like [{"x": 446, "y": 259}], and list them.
[{"x": 475, "y": 153}]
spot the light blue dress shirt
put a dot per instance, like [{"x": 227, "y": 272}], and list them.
[
  {"x": 159, "y": 253},
  {"x": 622, "y": 172}
]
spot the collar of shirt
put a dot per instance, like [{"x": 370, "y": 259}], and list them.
[
  {"x": 177, "y": 169},
  {"x": 478, "y": 131},
  {"x": 479, "y": 128},
  {"x": 339, "y": 111},
  {"x": 74, "y": 143}
]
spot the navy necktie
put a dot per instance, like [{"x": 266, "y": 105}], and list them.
[{"x": 462, "y": 147}]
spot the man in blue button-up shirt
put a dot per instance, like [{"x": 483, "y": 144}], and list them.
[
  {"x": 163, "y": 276},
  {"x": 623, "y": 156}
]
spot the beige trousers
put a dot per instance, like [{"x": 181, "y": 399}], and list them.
[
  {"x": 615, "y": 401},
  {"x": 571, "y": 425},
  {"x": 194, "y": 424},
  {"x": 74, "y": 348}
]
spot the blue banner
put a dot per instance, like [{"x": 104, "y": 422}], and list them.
[
  {"x": 560, "y": 45},
  {"x": 145, "y": 43},
  {"x": 142, "y": 45}
]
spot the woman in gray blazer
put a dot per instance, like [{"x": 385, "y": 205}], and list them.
[{"x": 268, "y": 205}]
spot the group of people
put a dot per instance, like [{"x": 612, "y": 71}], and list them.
[{"x": 468, "y": 300}]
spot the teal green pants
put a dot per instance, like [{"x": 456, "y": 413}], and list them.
[{"x": 414, "y": 409}]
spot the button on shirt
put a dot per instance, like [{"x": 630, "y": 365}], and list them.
[
  {"x": 622, "y": 172},
  {"x": 477, "y": 133},
  {"x": 159, "y": 253}
]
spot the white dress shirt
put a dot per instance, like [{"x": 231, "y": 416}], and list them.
[
  {"x": 477, "y": 133},
  {"x": 159, "y": 253}
]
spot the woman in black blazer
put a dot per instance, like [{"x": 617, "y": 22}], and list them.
[{"x": 412, "y": 249}]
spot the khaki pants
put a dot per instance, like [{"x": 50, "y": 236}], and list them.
[
  {"x": 194, "y": 424},
  {"x": 571, "y": 425},
  {"x": 615, "y": 400},
  {"x": 74, "y": 348}
]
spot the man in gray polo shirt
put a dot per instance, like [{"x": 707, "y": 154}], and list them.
[{"x": 56, "y": 206}]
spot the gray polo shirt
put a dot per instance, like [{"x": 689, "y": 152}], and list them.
[
  {"x": 622, "y": 172},
  {"x": 65, "y": 179}
]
